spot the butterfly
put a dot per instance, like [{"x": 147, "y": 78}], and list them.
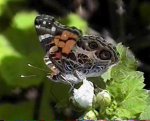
[{"x": 70, "y": 55}]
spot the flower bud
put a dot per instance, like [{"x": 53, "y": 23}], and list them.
[
  {"x": 91, "y": 115},
  {"x": 84, "y": 95},
  {"x": 103, "y": 99}
]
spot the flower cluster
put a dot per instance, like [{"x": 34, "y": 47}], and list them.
[{"x": 87, "y": 99}]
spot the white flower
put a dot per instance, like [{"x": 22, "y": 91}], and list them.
[{"x": 84, "y": 95}]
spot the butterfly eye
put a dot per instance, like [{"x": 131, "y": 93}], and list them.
[
  {"x": 105, "y": 55},
  {"x": 93, "y": 45}
]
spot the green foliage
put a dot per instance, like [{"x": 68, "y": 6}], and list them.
[
  {"x": 3, "y": 4},
  {"x": 15, "y": 112},
  {"x": 127, "y": 62},
  {"x": 126, "y": 87},
  {"x": 19, "y": 47},
  {"x": 6, "y": 49},
  {"x": 21, "y": 21},
  {"x": 129, "y": 95},
  {"x": 76, "y": 21},
  {"x": 145, "y": 115}
]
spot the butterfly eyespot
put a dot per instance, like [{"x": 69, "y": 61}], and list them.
[
  {"x": 105, "y": 55},
  {"x": 93, "y": 45}
]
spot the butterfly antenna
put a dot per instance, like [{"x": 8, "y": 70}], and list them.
[
  {"x": 23, "y": 76},
  {"x": 37, "y": 68}
]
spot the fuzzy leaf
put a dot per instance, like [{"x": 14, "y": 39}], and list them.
[
  {"x": 123, "y": 113},
  {"x": 129, "y": 93},
  {"x": 145, "y": 115},
  {"x": 127, "y": 62},
  {"x": 126, "y": 57},
  {"x": 127, "y": 86},
  {"x": 107, "y": 75}
]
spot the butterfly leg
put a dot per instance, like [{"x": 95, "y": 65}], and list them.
[
  {"x": 79, "y": 75},
  {"x": 64, "y": 78},
  {"x": 56, "y": 78}
]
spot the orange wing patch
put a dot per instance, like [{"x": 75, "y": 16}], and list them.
[
  {"x": 61, "y": 44},
  {"x": 68, "y": 46},
  {"x": 66, "y": 41},
  {"x": 56, "y": 41},
  {"x": 65, "y": 35}
]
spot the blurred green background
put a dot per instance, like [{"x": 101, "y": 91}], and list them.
[{"x": 36, "y": 97}]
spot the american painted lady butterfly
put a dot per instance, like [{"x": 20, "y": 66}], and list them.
[{"x": 70, "y": 55}]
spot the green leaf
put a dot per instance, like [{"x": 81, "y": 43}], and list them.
[
  {"x": 3, "y": 4},
  {"x": 148, "y": 99},
  {"x": 123, "y": 113},
  {"x": 11, "y": 70},
  {"x": 55, "y": 98},
  {"x": 76, "y": 21},
  {"x": 6, "y": 49},
  {"x": 13, "y": 64},
  {"x": 126, "y": 86},
  {"x": 4, "y": 88},
  {"x": 107, "y": 75},
  {"x": 127, "y": 62},
  {"x": 46, "y": 111},
  {"x": 126, "y": 57},
  {"x": 24, "y": 20},
  {"x": 19, "y": 46},
  {"x": 145, "y": 115},
  {"x": 129, "y": 93},
  {"x": 21, "y": 111}
]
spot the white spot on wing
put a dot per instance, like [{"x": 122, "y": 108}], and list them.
[
  {"x": 42, "y": 37},
  {"x": 46, "y": 58},
  {"x": 44, "y": 22},
  {"x": 37, "y": 26},
  {"x": 48, "y": 62},
  {"x": 53, "y": 29}
]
